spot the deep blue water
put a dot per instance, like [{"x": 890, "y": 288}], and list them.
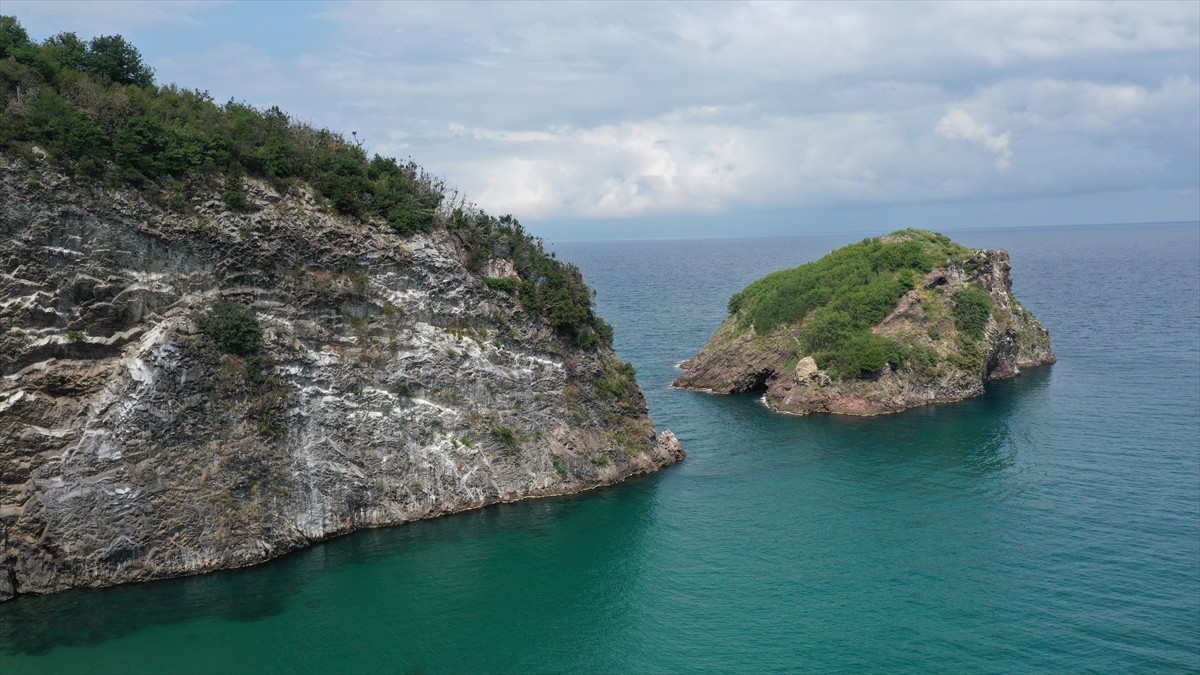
[{"x": 1052, "y": 524}]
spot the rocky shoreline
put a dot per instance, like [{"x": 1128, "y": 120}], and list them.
[
  {"x": 394, "y": 383},
  {"x": 740, "y": 360}
]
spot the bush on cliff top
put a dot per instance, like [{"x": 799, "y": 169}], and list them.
[
  {"x": 94, "y": 105},
  {"x": 96, "y": 108},
  {"x": 547, "y": 287},
  {"x": 836, "y": 300}
]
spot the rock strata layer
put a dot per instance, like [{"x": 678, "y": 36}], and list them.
[
  {"x": 393, "y": 384},
  {"x": 942, "y": 365}
]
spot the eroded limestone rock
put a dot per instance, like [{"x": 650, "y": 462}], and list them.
[{"x": 398, "y": 386}]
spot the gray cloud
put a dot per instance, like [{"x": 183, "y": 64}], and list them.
[{"x": 602, "y": 110}]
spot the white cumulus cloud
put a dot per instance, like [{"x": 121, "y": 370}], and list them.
[{"x": 958, "y": 124}]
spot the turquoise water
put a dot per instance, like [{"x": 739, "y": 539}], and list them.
[{"x": 1053, "y": 524}]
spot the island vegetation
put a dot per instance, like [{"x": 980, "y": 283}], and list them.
[
  {"x": 836, "y": 300},
  {"x": 878, "y": 325}
]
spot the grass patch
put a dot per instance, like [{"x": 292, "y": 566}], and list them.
[
  {"x": 619, "y": 380},
  {"x": 507, "y": 437},
  {"x": 559, "y": 467}
]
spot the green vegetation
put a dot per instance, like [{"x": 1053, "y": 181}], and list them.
[
  {"x": 505, "y": 285},
  {"x": 972, "y": 307},
  {"x": 232, "y": 327},
  {"x": 836, "y": 300},
  {"x": 234, "y": 330},
  {"x": 234, "y": 195},
  {"x": 619, "y": 381},
  {"x": 75, "y": 336},
  {"x": 547, "y": 287},
  {"x": 559, "y": 467},
  {"x": 507, "y": 437},
  {"x": 923, "y": 360},
  {"x": 94, "y": 106}
]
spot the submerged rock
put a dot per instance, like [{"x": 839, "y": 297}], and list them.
[
  {"x": 877, "y": 327},
  {"x": 388, "y": 382}
]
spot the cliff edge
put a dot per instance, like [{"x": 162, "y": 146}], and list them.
[
  {"x": 186, "y": 386},
  {"x": 876, "y": 327}
]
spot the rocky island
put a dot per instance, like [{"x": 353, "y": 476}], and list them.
[
  {"x": 876, "y": 327},
  {"x": 225, "y": 335}
]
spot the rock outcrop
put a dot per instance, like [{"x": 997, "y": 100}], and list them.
[
  {"x": 940, "y": 362},
  {"x": 393, "y": 384}
]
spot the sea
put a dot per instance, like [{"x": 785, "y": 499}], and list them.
[{"x": 1050, "y": 525}]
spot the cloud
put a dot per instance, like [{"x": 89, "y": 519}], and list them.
[
  {"x": 683, "y": 163},
  {"x": 562, "y": 111},
  {"x": 958, "y": 124},
  {"x": 611, "y": 170},
  {"x": 603, "y": 110}
]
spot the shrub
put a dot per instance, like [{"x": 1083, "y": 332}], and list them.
[
  {"x": 559, "y": 467},
  {"x": 864, "y": 280},
  {"x": 152, "y": 132},
  {"x": 507, "y": 437},
  {"x": 505, "y": 285},
  {"x": 972, "y": 307},
  {"x": 232, "y": 327},
  {"x": 924, "y": 361},
  {"x": 141, "y": 146},
  {"x": 619, "y": 379},
  {"x": 110, "y": 56},
  {"x": 234, "y": 195},
  {"x": 65, "y": 129},
  {"x": 99, "y": 108},
  {"x": 12, "y": 36},
  {"x": 861, "y": 354},
  {"x": 547, "y": 287}
]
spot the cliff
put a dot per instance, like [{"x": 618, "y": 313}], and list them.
[
  {"x": 877, "y": 327},
  {"x": 187, "y": 387}
]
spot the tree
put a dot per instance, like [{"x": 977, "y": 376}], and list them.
[
  {"x": 140, "y": 147},
  {"x": 66, "y": 129},
  {"x": 112, "y": 57},
  {"x": 66, "y": 50},
  {"x": 12, "y": 35}
]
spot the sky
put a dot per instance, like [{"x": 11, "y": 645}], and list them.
[{"x": 660, "y": 119}]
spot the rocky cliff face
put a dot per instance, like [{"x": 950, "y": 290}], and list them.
[
  {"x": 393, "y": 384},
  {"x": 942, "y": 365}
]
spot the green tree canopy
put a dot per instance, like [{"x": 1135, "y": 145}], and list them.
[
  {"x": 97, "y": 110},
  {"x": 12, "y": 36},
  {"x": 112, "y": 57}
]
